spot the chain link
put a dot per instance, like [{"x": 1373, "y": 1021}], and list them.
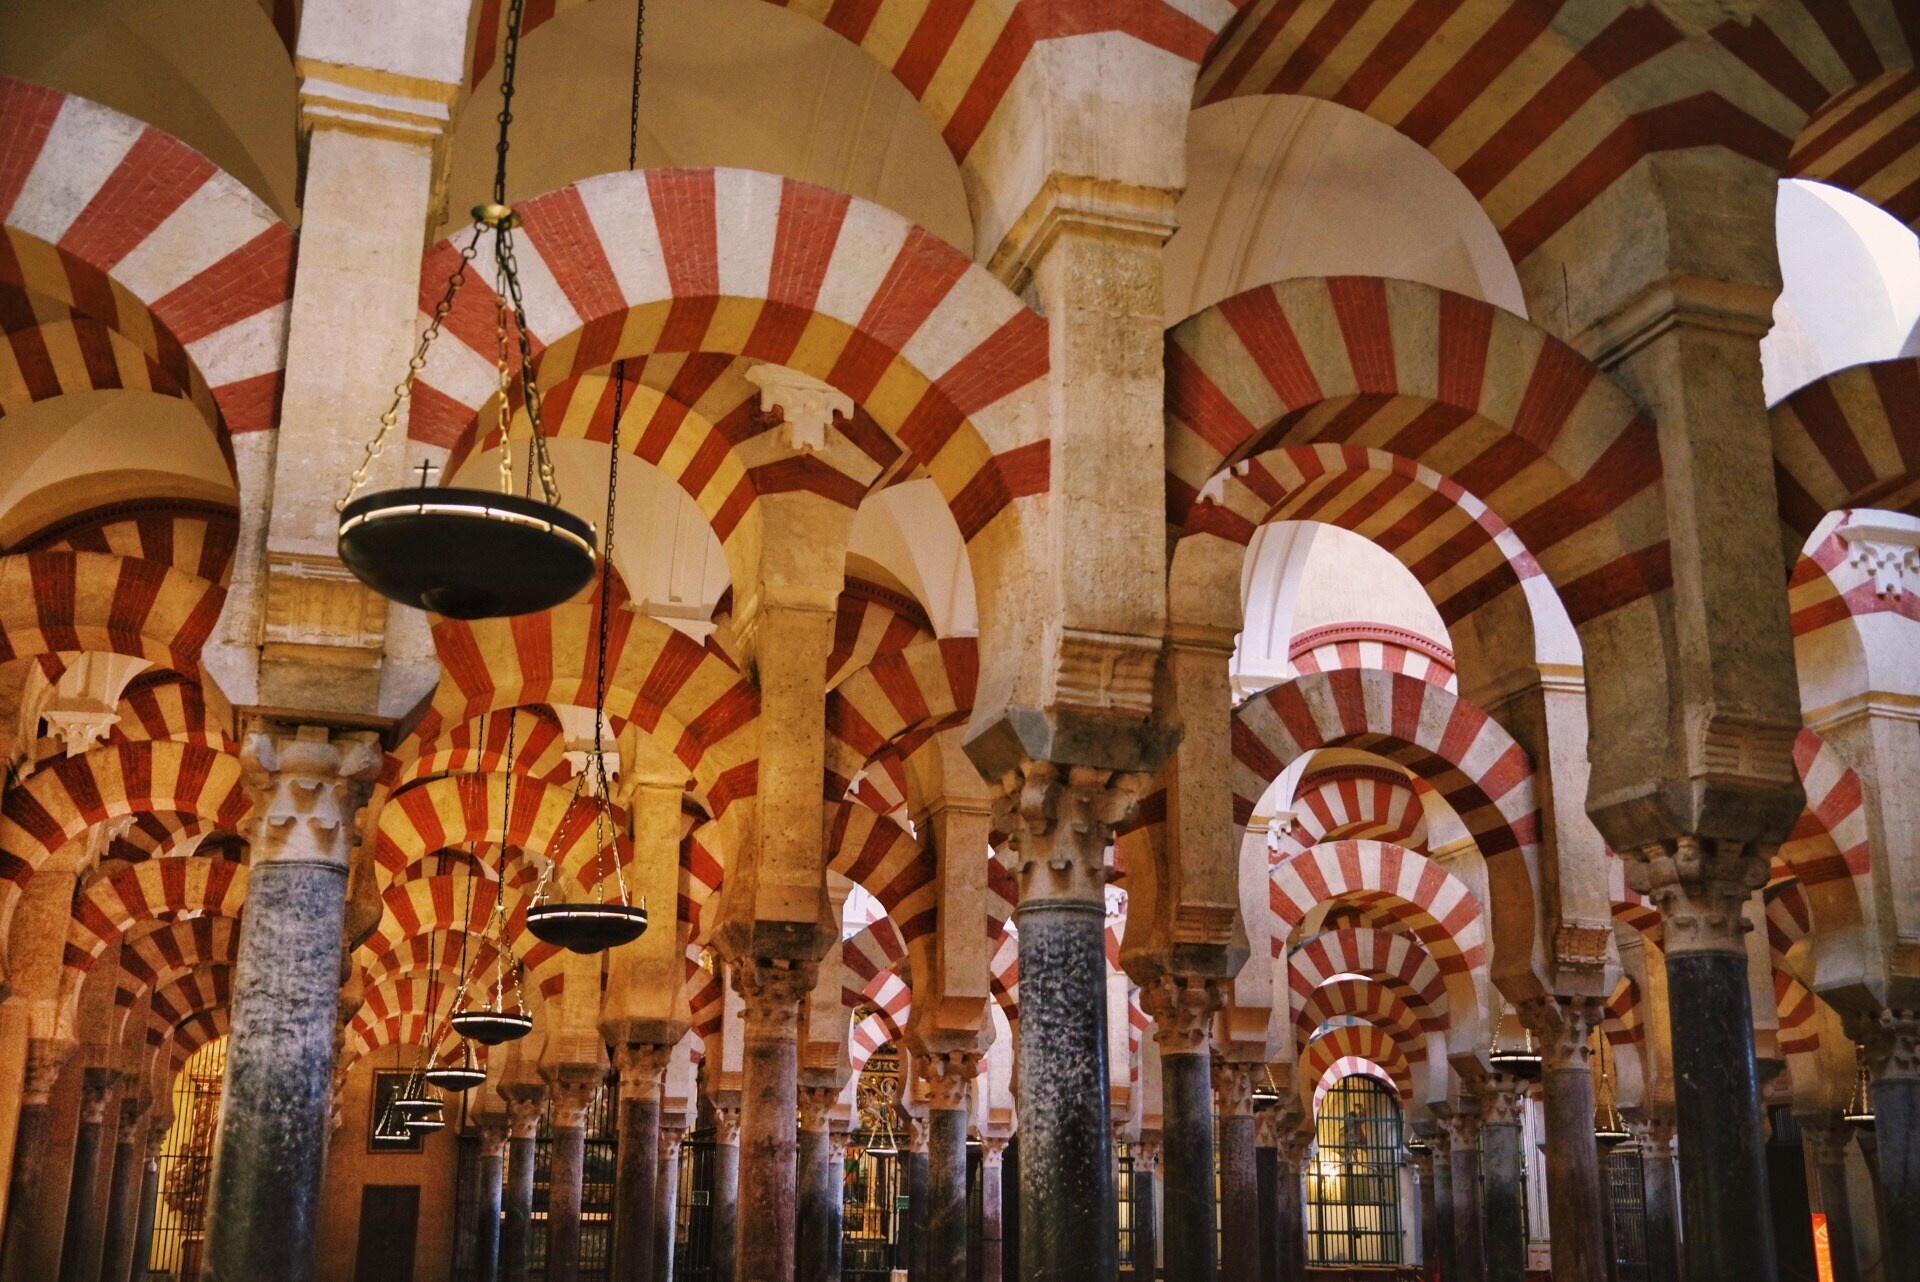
[{"x": 404, "y": 389}]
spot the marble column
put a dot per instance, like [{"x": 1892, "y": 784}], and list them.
[
  {"x": 263, "y": 1196},
  {"x": 524, "y": 1106},
  {"x": 489, "y": 1184},
  {"x": 123, "y": 1191},
  {"x": 1239, "y": 1177},
  {"x": 817, "y": 1251},
  {"x": 726, "y": 1193},
  {"x": 566, "y": 1169},
  {"x": 769, "y": 1114},
  {"x": 1826, "y": 1139},
  {"x": 1700, "y": 887},
  {"x": 1146, "y": 1208},
  {"x": 81, "y": 1242},
  {"x": 46, "y": 1056},
  {"x": 949, "y": 1077},
  {"x": 643, "y": 1070},
  {"x": 1429, "y": 1209},
  {"x": 1440, "y": 1251},
  {"x": 1268, "y": 1191},
  {"x": 1503, "y": 1175},
  {"x": 666, "y": 1195},
  {"x": 1182, "y": 1012},
  {"x": 464, "y": 1260},
  {"x": 149, "y": 1201},
  {"x": 1469, "y": 1249},
  {"x": 1653, "y": 1133},
  {"x": 1060, "y": 820},
  {"x": 916, "y": 1161},
  {"x": 1290, "y": 1211},
  {"x": 837, "y": 1182},
  {"x": 1892, "y": 1043},
  {"x": 1575, "y": 1207}
]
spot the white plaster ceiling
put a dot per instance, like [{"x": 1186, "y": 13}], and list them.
[
  {"x": 1281, "y": 187},
  {"x": 212, "y": 73},
  {"x": 738, "y": 83}
]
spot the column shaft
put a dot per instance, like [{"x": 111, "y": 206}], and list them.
[
  {"x": 45, "y": 1058},
  {"x": 516, "y": 1224},
  {"x": 1186, "y": 1131},
  {"x": 1289, "y": 1213},
  {"x": 1239, "y": 1179},
  {"x": 566, "y": 1168},
  {"x": 1830, "y": 1166},
  {"x": 1575, "y": 1207},
  {"x": 86, "y": 1215},
  {"x": 1469, "y": 1251},
  {"x": 769, "y": 1115},
  {"x": 726, "y": 1193},
  {"x": 992, "y": 1232},
  {"x": 918, "y": 1169},
  {"x": 947, "y": 1193},
  {"x": 635, "y": 1199},
  {"x": 1663, "y": 1218},
  {"x": 819, "y": 1207},
  {"x": 1265, "y": 1172},
  {"x": 489, "y": 1184},
  {"x": 666, "y": 1192},
  {"x": 123, "y": 1199},
  {"x": 1502, "y": 1174},
  {"x": 1896, "y": 1133},
  {"x": 149, "y": 1205},
  {"x": 1440, "y": 1248}
]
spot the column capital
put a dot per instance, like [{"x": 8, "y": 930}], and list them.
[
  {"x": 726, "y": 1124},
  {"x": 948, "y": 1076},
  {"x": 1068, "y": 204},
  {"x": 524, "y": 1107},
  {"x": 1182, "y": 1009},
  {"x": 1233, "y": 1087},
  {"x": 46, "y": 1057},
  {"x": 1463, "y": 1131},
  {"x": 1700, "y": 885},
  {"x": 919, "y": 1135},
  {"x": 307, "y": 789},
  {"x": 1650, "y": 1130},
  {"x": 1891, "y": 1040},
  {"x": 493, "y": 1138},
  {"x": 1503, "y": 1099},
  {"x": 572, "y": 1097},
  {"x": 374, "y": 103},
  {"x": 993, "y": 1151},
  {"x": 96, "y": 1090},
  {"x": 1276, "y": 1127},
  {"x": 672, "y": 1137},
  {"x": 1060, "y": 819},
  {"x": 1826, "y": 1138},
  {"x": 642, "y": 1067},
  {"x": 133, "y": 1111},
  {"x": 816, "y": 1108},
  {"x": 1562, "y": 1027},
  {"x": 772, "y": 990}
]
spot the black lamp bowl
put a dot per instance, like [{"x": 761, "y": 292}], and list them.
[
  {"x": 456, "y": 1077},
  {"x": 426, "y": 1125},
  {"x": 1419, "y": 1147},
  {"x": 466, "y": 554},
  {"x": 1515, "y": 1063},
  {"x": 492, "y": 1027},
  {"x": 1610, "y": 1137},
  {"x": 587, "y": 928},
  {"x": 1858, "y": 1119},
  {"x": 412, "y": 1106}
]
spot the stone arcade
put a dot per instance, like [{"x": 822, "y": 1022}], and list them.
[{"x": 1248, "y": 639}]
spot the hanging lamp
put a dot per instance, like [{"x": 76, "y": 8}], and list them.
[
  {"x": 463, "y": 1075},
  {"x": 1608, "y": 1132},
  {"x": 1419, "y": 1147},
  {"x": 1521, "y": 1061},
  {"x": 391, "y": 1126},
  {"x": 1859, "y": 1110},
  {"x": 492, "y": 1020},
  {"x": 594, "y": 926},
  {"x": 466, "y": 1073},
  {"x": 473, "y": 553}
]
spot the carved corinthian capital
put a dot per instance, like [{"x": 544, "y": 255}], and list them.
[
  {"x": 307, "y": 791},
  {"x": 1060, "y": 820},
  {"x": 1182, "y": 1011},
  {"x": 1561, "y": 1027},
  {"x": 1233, "y": 1087},
  {"x": 948, "y": 1076},
  {"x": 772, "y": 991},
  {"x": 1891, "y": 1039},
  {"x": 1700, "y": 886}
]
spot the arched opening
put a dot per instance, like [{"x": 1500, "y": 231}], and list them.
[{"x": 1353, "y": 1175}]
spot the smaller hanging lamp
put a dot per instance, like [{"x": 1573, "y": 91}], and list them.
[
  {"x": 1609, "y": 1132},
  {"x": 462, "y": 1075},
  {"x": 426, "y": 1125},
  {"x": 1859, "y": 1110},
  {"x": 492, "y": 1020},
  {"x": 469, "y": 553},
  {"x": 1515, "y": 1061},
  {"x": 391, "y": 1126},
  {"x": 1419, "y": 1147},
  {"x": 889, "y": 1145}
]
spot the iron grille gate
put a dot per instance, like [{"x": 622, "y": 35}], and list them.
[
  {"x": 175, "y": 1251},
  {"x": 1353, "y": 1178},
  {"x": 693, "y": 1214},
  {"x": 1627, "y": 1203}
]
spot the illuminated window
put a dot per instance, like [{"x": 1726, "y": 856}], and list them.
[{"x": 1353, "y": 1177}]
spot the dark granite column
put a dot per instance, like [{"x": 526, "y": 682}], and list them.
[
  {"x": 1654, "y": 1136},
  {"x": 949, "y": 1077},
  {"x": 1429, "y": 1212},
  {"x": 643, "y": 1070},
  {"x": 1289, "y": 1208},
  {"x": 264, "y": 1192},
  {"x": 726, "y": 1192},
  {"x": 573, "y": 1089},
  {"x": 1892, "y": 1044},
  {"x": 1701, "y": 888},
  {"x": 1239, "y": 1178},
  {"x": 489, "y": 1184},
  {"x": 46, "y": 1056},
  {"x": 1146, "y": 1207},
  {"x": 1060, "y": 820},
  {"x": 524, "y": 1106},
  {"x": 1575, "y": 1207},
  {"x": 86, "y": 1217},
  {"x": 1826, "y": 1138},
  {"x": 1182, "y": 1013},
  {"x": 466, "y": 1184},
  {"x": 1440, "y": 1251},
  {"x": 666, "y": 1194},
  {"x": 917, "y": 1161},
  {"x": 816, "y": 1258},
  {"x": 123, "y": 1191},
  {"x": 1469, "y": 1249},
  {"x": 149, "y": 1200},
  {"x": 993, "y": 1153},
  {"x": 1264, "y": 1164},
  {"x": 1503, "y": 1175},
  {"x": 769, "y": 1114}
]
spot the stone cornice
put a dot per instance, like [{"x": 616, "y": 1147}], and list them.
[{"x": 1089, "y": 204}]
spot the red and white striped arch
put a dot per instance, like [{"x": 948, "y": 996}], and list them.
[
  {"x": 1867, "y": 140},
  {"x": 1390, "y": 957},
  {"x": 458, "y": 902},
  {"x": 399, "y": 1012},
  {"x": 440, "y": 953},
  {"x": 53, "y": 350},
  {"x": 872, "y": 620},
  {"x": 1847, "y": 440},
  {"x": 1361, "y": 1042},
  {"x": 1462, "y": 752},
  {"x": 158, "y": 890},
  {"x": 63, "y": 602},
  {"x": 742, "y": 264},
  {"x": 1788, "y": 918},
  {"x": 161, "y": 956},
  {"x": 196, "y": 1033},
  {"x": 143, "y": 235},
  {"x": 1799, "y": 1012},
  {"x": 898, "y": 702},
  {"x": 1368, "y": 1000},
  {"x": 61, "y": 801},
  {"x": 884, "y": 857},
  {"x": 1358, "y": 801},
  {"x": 1624, "y": 1023},
  {"x": 205, "y": 988},
  {"x": 1434, "y": 906},
  {"x": 195, "y": 538},
  {"x": 1372, "y": 645},
  {"x": 1830, "y": 849},
  {"x": 173, "y": 709},
  {"x": 1484, "y": 399},
  {"x": 479, "y": 746},
  {"x": 557, "y": 821}
]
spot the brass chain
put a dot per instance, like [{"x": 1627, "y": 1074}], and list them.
[{"x": 403, "y": 390}]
